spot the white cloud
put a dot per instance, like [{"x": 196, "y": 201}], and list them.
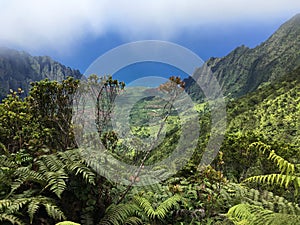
[{"x": 59, "y": 24}]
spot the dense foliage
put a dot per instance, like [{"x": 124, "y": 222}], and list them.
[{"x": 45, "y": 179}]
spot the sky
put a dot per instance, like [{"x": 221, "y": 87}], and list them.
[{"x": 77, "y": 32}]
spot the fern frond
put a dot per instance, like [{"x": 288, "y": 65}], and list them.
[
  {"x": 161, "y": 211},
  {"x": 276, "y": 179},
  {"x": 164, "y": 208},
  {"x": 260, "y": 146},
  {"x": 271, "y": 218},
  {"x": 70, "y": 156},
  {"x": 52, "y": 162},
  {"x": 32, "y": 208},
  {"x": 240, "y": 212},
  {"x": 53, "y": 211},
  {"x": 43, "y": 168},
  {"x": 133, "y": 221},
  {"x": 255, "y": 215},
  {"x": 73, "y": 162},
  {"x": 11, "y": 206},
  {"x": 4, "y": 203},
  {"x": 86, "y": 173},
  {"x": 56, "y": 181},
  {"x": 7, "y": 162},
  {"x": 118, "y": 214},
  {"x": 283, "y": 165},
  {"x": 24, "y": 173},
  {"x": 11, "y": 218},
  {"x": 3, "y": 147},
  {"x": 266, "y": 199}
]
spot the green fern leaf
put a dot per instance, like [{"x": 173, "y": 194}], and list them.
[
  {"x": 118, "y": 214},
  {"x": 53, "y": 211},
  {"x": 56, "y": 181},
  {"x": 33, "y": 207},
  {"x": 11, "y": 218}
]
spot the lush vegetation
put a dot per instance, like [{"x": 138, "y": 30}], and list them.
[
  {"x": 47, "y": 177},
  {"x": 46, "y": 180}
]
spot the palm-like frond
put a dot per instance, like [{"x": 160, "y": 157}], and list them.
[
  {"x": 74, "y": 163},
  {"x": 14, "y": 205},
  {"x": 56, "y": 181},
  {"x": 286, "y": 212},
  {"x": 120, "y": 214},
  {"x": 161, "y": 211},
  {"x": 11, "y": 218},
  {"x": 53, "y": 171},
  {"x": 276, "y": 179},
  {"x": 287, "y": 174},
  {"x": 7, "y": 162},
  {"x": 255, "y": 215},
  {"x": 283, "y": 165}
]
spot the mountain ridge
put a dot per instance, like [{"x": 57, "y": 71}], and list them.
[
  {"x": 244, "y": 69},
  {"x": 241, "y": 71},
  {"x": 19, "y": 68}
]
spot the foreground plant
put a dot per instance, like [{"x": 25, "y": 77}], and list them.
[{"x": 285, "y": 212}]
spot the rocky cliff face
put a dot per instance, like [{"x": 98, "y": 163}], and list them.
[
  {"x": 18, "y": 69},
  {"x": 245, "y": 69}
]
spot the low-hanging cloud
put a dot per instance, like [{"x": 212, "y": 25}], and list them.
[{"x": 56, "y": 24}]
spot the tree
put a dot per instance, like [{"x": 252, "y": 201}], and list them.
[{"x": 51, "y": 107}]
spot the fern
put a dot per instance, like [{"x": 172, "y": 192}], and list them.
[
  {"x": 285, "y": 212},
  {"x": 138, "y": 211},
  {"x": 11, "y": 218},
  {"x": 52, "y": 163},
  {"x": 32, "y": 209},
  {"x": 13, "y": 206},
  {"x": 56, "y": 181},
  {"x": 74, "y": 163},
  {"x": 5, "y": 150},
  {"x": 276, "y": 179},
  {"x": 161, "y": 211},
  {"x": 25, "y": 173},
  {"x": 255, "y": 215},
  {"x": 6, "y": 161},
  {"x": 53, "y": 211},
  {"x": 53, "y": 171},
  {"x": 283, "y": 165},
  {"x": 120, "y": 214},
  {"x": 240, "y": 214},
  {"x": 287, "y": 174},
  {"x": 133, "y": 221}
]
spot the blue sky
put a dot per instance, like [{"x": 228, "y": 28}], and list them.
[{"x": 77, "y": 32}]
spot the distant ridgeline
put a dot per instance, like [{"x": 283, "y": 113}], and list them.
[
  {"x": 18, "y": 69},
  {"x": 244, "y": 69},
  {"x": 240, "y": 72}
]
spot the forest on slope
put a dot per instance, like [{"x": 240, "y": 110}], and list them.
[{"x": 46, "y": 179}]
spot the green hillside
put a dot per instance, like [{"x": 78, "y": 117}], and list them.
[
  {"x": 245, "y": 69},
  {"x": 272, "y": 111},
  {"x": 54, "y": 169},
  {"x": 271, "y": 115}
]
